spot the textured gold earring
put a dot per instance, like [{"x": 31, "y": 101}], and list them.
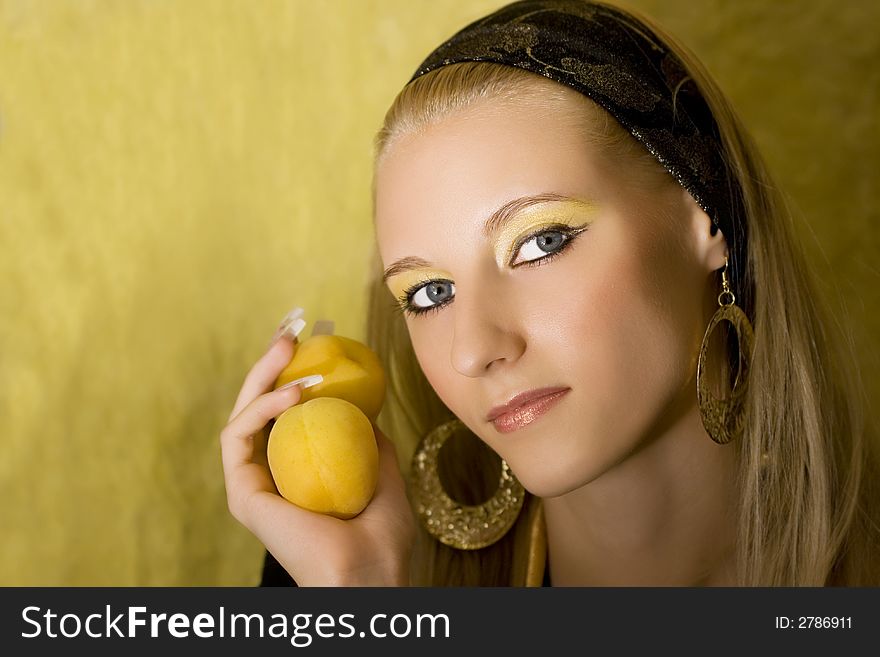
[
  {"x": 462, "y": 526},
  {"x": 723, "y": 418}
]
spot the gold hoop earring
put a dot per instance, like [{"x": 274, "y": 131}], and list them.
[
  {"x": 461, "y": 526},
  {"x": 723, "y": 418}
]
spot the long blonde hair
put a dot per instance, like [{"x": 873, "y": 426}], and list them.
[{"x": 809, "y": 474}]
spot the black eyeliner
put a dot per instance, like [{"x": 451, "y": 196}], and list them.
[{"x": 570, "y": 233}]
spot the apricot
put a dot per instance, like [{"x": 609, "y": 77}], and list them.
[
  {"x": 351, "y": 371},
  {"x": 322, "y": 452},
  {"x": 323, "y": 457}
]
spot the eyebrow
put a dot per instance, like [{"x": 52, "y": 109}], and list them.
[{"x": 494, "y": 223}]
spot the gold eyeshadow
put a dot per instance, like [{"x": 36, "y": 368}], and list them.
[
  {"x": 404, "y": 281},
  {"x": 573, "y": 213}
]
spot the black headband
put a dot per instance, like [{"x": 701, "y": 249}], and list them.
[{"x": 620, "y": 64}]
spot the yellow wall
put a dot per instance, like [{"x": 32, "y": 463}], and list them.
[{"x": 168, "y": 172}]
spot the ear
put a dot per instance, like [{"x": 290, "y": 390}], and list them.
[{"x": 710, "y": 246}]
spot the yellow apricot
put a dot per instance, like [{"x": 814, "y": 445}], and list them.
[
  {"x": 351, "y": 371},
  {"x": 323, "y": 457}
]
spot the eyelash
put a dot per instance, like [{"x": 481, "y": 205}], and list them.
[{"x": 405, "y": 301}]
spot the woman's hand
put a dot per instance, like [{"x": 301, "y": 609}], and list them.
[{"x": 371, "y": 549}]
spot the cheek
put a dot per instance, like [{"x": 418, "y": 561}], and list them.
[
  {"x": 431, "y": 344},
  {"x": 633, "y": 354}
]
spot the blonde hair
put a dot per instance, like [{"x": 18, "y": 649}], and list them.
[{"x": 809, "y": 496}]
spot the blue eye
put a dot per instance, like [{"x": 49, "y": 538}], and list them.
[
  {"x": 542, "y": 247},
  {"x": 544, "y": 243},
  {"x": 430, "y": 296}
]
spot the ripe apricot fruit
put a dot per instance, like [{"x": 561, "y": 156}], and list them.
[
  {"x": 351, "y": 371},
  {"x": 322, "y": 452},
  {"x": 323, "y": 457}
]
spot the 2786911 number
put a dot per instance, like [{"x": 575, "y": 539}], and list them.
[{"x": 814, "y": 622}]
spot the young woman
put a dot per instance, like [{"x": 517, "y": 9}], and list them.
[{"x": 584, "y": 268}]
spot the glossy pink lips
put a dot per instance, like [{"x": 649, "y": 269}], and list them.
[{"x": 527, "y": 413}]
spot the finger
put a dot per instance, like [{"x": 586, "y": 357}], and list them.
[
  {"x": 387, "y": 450},
  {"x": 261, "y": 444},
  {"x": 263, "y": 374},
  {"x": 245, "y": 481},
  {"x": 293, "y": 323},
  {"x": 245, "y": 463},
  {"x": 391, "y": 484},
  {"x": 237, "y": 438}
]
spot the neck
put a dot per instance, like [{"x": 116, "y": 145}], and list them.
[{"x": 662, "y": 517}]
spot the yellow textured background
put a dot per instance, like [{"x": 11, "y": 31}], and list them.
[{"x": 175, "y": 175}]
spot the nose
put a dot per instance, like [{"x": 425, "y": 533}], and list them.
[{"x": 485, "y": 333}]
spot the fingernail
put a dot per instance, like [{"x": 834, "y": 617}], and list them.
[
  {"x": 296, "y": 313},
  {"x": 305, "y": 382},
  {"x": 291, "y": 326},
  {"x": 293, "y": 329},
  {"x": 291, "y": 318}
]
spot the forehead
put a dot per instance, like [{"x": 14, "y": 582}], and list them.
[{"x": 444, "y": 182}]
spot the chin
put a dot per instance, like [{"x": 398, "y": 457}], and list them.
[
  {"x": 553, "y": 484},
  {"x": 568, "y": 460}
]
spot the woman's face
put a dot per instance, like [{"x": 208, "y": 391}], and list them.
[{"x": 593, "y": 279}]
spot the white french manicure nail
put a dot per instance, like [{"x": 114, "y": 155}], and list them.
[
  {"x": 294, "y": 328},
  {"x": 292, "y": 325},
  {"x": 292, "y": 315},
  {"x": 305, "y": 382}
]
